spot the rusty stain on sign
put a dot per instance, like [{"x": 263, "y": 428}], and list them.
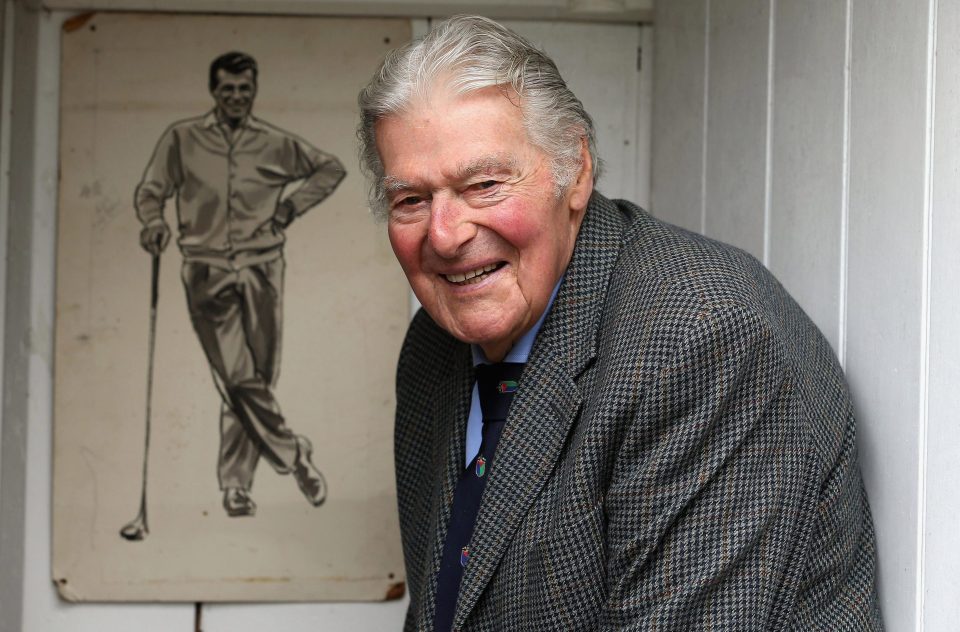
[{"x": 77, "y": 22}]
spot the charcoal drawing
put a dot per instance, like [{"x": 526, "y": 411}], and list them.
[
  {"x": 238, "y": 184},
  {"x": 277, "y": 301}
]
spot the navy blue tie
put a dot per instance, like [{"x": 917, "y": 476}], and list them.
[{"x": 496, "y": 384}]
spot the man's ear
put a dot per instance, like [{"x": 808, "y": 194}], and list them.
[{"x": 582, "y": 186}]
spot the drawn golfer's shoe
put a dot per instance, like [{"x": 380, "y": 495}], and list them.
[
  {"x": 309, "y": 478},
  {"x": 238, "y": 503}
]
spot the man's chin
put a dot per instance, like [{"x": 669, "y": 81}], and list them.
[
  {"x": 486, "y": 322},
  {"x": 494, "y": 339}
]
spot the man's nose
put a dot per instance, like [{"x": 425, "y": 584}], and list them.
[{"x": 450, "y": 226}]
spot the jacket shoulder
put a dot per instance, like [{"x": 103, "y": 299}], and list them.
[
  {"x": 426, "y": 347},
  {"x": 424, "y": 338},
  {"x": 711, "y": 272},
  {"x": 664, "y": 265},
  {"x": 669, "y": 280}
]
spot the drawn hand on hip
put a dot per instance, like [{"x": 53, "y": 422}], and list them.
[{"x": 284, "y": 214}]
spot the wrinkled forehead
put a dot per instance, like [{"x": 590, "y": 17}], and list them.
[{"x": 452, "y": 140}]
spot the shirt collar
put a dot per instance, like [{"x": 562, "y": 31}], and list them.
[
  {"x": 251, "y": 122},
  {"x": 520, "y": 351}
]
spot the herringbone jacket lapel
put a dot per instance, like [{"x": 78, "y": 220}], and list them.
[
  {"x": 451, "y": 406},
  {"x": 547, "y": 402}
]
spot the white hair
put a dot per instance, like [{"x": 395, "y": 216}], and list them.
[{"x": 468, "y": 53}]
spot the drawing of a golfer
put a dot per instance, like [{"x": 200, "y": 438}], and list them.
[{"x": 227, "y": 170}]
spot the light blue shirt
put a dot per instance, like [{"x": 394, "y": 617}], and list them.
[{"x": 518, "y": 353}]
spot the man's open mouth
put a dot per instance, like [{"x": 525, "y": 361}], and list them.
[{"x": 474, "y": 276}]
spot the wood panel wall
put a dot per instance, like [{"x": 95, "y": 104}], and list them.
[
  {"x": 941, "y": 543},
  {"x": 822, "y": 137}
]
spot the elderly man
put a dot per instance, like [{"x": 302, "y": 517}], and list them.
[
  {"x": 228, "y": 170},
  {"x": 603, "y": 422}
]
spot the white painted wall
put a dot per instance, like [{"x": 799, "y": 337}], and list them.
[
  {"x": 613, "y": 89},
  {"x": 736, "y": 122},
  {"x": 885, "y": 298},
  {"x": 940, "y": 582},
  {"x": 822, "y": 137}
]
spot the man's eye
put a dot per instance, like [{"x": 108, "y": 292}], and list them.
[
  {"x": 486, "y": 184},
  {"x": 411, "y": 201}
]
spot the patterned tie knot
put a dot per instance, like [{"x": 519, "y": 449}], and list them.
[{"x": 496, "y": 385}]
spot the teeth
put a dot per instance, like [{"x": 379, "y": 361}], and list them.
[{"x": 472, "y": 274}]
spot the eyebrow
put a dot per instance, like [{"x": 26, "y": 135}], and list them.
[
  {"x": 487, "y": 164},
  {"x": 392, "y": 184}
]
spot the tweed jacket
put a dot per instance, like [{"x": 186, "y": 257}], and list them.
[{"x": 680, "y": 454}]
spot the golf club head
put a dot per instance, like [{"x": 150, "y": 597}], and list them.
[{"x": 135, "y": 530}]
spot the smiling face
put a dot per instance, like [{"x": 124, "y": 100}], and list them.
[
  {"x": 234, "y": 95},
  {"x": 474, "y": 218}
]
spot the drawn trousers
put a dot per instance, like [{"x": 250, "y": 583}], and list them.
[{"x": 237, "y": 314}]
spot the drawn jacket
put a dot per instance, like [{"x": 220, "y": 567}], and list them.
[{"x": 228, "y": 194}]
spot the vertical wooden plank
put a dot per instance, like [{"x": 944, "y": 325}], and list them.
[
  {"x": 942, "y": 541},
  {"x": 679, "y": 76},
  {"x": 737, "y": 123},
  {"x": 599, "y": 63},
  {"x": 18, "y": 320},
  {"x": 644, "y": 118},
  {"x": 6, "y": 67},
  {"x": 888, "y": 124},
  {"x": 807, "y": 156}
]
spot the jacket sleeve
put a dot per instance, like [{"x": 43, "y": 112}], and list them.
[
  {"x": 161, "y": 179},
  {"x": 716, "y": 490},
  {"x": 321, "y": 173}
]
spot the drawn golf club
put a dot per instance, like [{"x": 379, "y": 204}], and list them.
[{"x": 137, "y": 529}]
